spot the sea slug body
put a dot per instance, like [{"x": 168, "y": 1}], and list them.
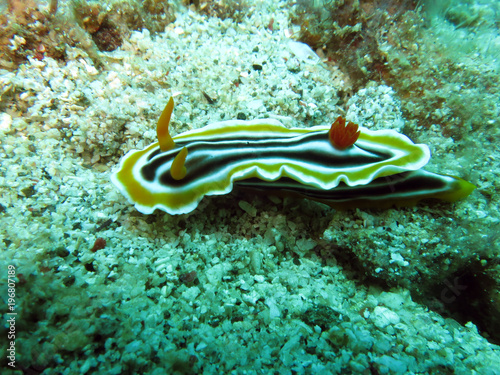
[{"x": 340, "y": 165}]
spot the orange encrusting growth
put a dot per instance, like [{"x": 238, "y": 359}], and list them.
[{"x": 341, "y": 135}]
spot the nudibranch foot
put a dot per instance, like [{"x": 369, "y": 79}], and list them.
[
  {"x": 343, "y": 164},
  {"x": 398, "y": 190}
]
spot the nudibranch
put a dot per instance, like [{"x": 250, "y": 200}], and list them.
[{"x": 342, "y": 165}]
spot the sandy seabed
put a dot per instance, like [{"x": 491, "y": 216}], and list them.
[{"x": 243, "y": 284}]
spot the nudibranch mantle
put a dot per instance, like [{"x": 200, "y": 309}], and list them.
[{"x": 210, "y": 160}]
